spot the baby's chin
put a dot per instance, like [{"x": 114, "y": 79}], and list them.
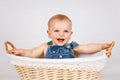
[
  {"x": 57, "y": 44},
  {"x": 60, "y": 44}
]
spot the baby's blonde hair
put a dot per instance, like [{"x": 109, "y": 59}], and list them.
[{"x": 59, "y": 17}]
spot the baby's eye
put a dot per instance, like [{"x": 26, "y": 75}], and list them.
[
  {"x": 56, "y": 30},
  {"x": 66, "y": 31}
]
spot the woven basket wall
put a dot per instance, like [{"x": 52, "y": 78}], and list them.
[{"x": 59, "y": 71}]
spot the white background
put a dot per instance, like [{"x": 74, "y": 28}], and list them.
[{"x": 24, "y": 22}]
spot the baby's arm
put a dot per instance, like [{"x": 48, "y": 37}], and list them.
[
  {"x": 91, "y": 48},
  {"x": 36, "y": 52}
]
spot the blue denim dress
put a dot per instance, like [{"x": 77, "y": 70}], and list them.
[{"x": 60, "y": 52}]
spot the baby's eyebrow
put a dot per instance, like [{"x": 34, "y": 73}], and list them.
[
  {"x": 56, "y": 30},
  {"x": 66, "y": 30}
]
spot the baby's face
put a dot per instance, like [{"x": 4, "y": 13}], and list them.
[{"x": 60, "y": 32}]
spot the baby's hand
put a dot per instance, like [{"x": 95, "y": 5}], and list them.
[
  {"x": 10, "y": 51},
  {"x": 109, "y": 49},
  {"x": 107, "y": 46},
  {"x": 14, "y": 51}
]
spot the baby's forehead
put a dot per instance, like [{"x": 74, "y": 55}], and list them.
[
  {"x": 60, "y": 28},
  {"x": 57, "y": 21}
]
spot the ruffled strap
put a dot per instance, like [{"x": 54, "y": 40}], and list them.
[
  {"x": 74, "y": 44},
  {"x": 50, "y": 43}
]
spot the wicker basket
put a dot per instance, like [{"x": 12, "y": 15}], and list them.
[
  {"x": 59, "y": 69},
  {"x": 83, "y": 68}
]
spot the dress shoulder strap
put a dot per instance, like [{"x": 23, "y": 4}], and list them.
[
  {"x": 50, "y": 43},
  {"x": 74, "y": 44}
]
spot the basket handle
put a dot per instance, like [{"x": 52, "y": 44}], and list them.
[
  {"x": 108, "y": 50},
  {"x": 6, "y": 46}
]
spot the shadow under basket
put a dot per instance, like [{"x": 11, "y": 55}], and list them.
[{"x": 83, "y": 68}]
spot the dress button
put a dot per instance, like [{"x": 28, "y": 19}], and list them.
[
  {"x": 68, "y": 46},
  {"x": 60, "y": 56},
  {"x": 53, "y": 51}
]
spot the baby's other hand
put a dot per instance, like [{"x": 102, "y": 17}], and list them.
[
  {"x": 105, "y": 46},
  {"x": 14, "y": 51}
]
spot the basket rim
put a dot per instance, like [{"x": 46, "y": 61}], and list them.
[{"x": 44, "y": 60}]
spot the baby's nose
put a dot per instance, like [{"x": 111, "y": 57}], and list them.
[{"x": 61, "y": 34}]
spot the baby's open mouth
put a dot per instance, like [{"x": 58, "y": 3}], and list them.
[{"x": 60, "y": 39}]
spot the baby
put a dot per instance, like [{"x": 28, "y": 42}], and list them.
[{"x": 60, "y": 31}]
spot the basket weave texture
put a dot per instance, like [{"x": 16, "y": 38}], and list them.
[{"x": 88, "y": 70}]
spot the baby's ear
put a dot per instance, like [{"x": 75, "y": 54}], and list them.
[
  {"x": 48, "y": 32},
  {"x": 71, "y": 32}
]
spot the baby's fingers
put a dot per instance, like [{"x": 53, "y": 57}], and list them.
[{"x": 14, "y": 52}]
